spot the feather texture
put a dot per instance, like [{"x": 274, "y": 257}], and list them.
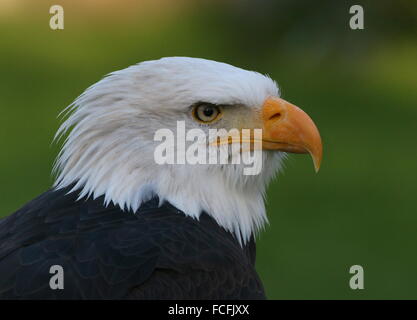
[{"x": 159, "y": 253}]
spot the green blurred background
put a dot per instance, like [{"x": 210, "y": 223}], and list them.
[{"x": 359, "y": 86}]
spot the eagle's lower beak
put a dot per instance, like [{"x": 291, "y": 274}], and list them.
[{"x": 288, "y": 128}]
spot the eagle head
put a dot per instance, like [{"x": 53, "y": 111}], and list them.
[{"x": 113, "y": 134}]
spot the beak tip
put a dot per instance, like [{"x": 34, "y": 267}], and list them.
[{"x": 317, "y": 163}]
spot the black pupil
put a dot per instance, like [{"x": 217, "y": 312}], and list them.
[{"x": 208, "y": 111}]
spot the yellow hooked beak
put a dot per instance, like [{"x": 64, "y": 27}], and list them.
[{"x": 288, "y": 128}]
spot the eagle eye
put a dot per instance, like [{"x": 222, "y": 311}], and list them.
[{"x": 206, "y": 112}]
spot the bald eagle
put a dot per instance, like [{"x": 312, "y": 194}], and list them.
[{"x": 120, "y": 225}]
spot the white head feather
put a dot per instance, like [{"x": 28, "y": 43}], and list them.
[{"x": 110, "y": 147}]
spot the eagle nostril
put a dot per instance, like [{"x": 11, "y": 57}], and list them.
[{"x": 275, "y": 116}]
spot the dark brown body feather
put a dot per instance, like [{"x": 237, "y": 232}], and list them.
[{"x": 157, "y": 253}]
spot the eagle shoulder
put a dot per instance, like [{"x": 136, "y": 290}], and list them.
[{"x": 105, "y": 253}]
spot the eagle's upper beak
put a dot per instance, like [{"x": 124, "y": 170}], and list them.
[{"x": 288, "y": 128}]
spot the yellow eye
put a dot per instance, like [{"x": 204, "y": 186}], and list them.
[{"x": 206, "y": 112}]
